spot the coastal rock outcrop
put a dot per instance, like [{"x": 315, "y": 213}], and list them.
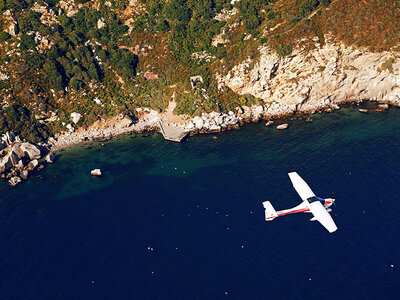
[
  {"x": 309, "y": 80},
  {"x": 17, "y": 158}
]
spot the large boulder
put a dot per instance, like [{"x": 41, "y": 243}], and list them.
[
  {"x": 8, "y": 161},
  {"x": 50, "y": 158},
  {"x": 30, "y": 150},
  {"x": 33, "y": 164},
  {"x": 18, "y": 151}
]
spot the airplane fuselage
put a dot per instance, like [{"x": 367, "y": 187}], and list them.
[{"x": 303, "y": 207}]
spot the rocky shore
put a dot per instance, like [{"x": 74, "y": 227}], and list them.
[
  {"x": 206, "y": 123},
  {"x": 18, "y": 159}
]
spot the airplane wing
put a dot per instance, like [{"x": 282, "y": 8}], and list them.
[
  {"x": 301, "y": 186},
  {"x": 322, "y": 216}
]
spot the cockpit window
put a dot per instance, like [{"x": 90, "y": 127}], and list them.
[{"x": 315, "y": 198}]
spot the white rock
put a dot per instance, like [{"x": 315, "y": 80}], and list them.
[
  {"x": 282, "y": 126},
  {"x": 70, "y": 128},
  {"x": 33, "y": 164},
  {"x": 50, "y": 158},
  {"x": 215, "y": 128},
  {"x": 8, "y": 138},
  {"x": 101, "y": 23},
  {"x": 75, "y": 117},
  {"x": 14, "y": 180},
  {"x": 96, "y": 172},
  {"x": 8, "y": 161},
  {"x": 269, "y": 123},
  {"x": 198, "y": 122},
  {"x": 98, "y": 101}
]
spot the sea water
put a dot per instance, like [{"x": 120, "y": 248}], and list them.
[{"x": 185, "y": 221}]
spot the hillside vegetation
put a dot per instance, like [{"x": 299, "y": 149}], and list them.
[{"x": 102, "y": 58}]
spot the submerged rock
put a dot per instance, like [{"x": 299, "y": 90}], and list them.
[{"x": 96, "y": 172}]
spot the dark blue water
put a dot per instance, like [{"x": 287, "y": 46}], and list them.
[{"x": 185, "y": 221}]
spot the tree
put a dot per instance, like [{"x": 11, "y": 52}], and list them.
[
  {"x": 128, "y": 64},
  {"x": 27, "y": 42},
  {"x": 305, "y": 7},
  {"x": 53, "y": 74},
  {"x": 2, "y": 5}
]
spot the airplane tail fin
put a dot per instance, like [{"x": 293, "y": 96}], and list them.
[{"x": 270, "y": 212}]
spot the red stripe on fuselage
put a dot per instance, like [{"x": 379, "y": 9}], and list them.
[{"x": 294, "y": 211}]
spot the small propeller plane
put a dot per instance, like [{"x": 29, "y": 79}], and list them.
[{"x": 311, "y": 204}]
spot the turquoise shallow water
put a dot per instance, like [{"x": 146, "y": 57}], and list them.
[{"x": 179, "y": 221}]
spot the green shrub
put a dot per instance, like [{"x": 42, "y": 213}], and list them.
[
  {"x": 4, "y": 36},
  {"x": 271, "y": 15},
  {"x": 305, "y": 7},
  {"x": 284, "y": 49}
]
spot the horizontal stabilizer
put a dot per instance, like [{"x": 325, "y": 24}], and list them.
[{"x": 270, "y": 212}]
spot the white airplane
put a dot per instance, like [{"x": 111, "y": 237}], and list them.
[{"x": 311, "y": 204}]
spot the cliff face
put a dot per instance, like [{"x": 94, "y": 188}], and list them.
[{"x": 323, "y": 77}]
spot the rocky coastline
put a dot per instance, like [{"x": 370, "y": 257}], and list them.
[
  {"x": 214, "y": 122},
  {"x": 305, "y": 82}
]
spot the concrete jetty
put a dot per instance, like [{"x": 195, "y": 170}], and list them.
[{"x": 172, "y": 133}]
